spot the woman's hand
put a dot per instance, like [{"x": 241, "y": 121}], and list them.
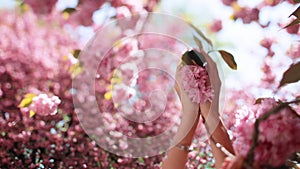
[
  {"x": 233, "y": 163},
  {"x": 177, "y": 157},
  {"x": 210, "y": 111},
  {"x": 190, "y": 110}
]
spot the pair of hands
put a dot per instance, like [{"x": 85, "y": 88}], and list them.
[{"x": 211, "y": 113}]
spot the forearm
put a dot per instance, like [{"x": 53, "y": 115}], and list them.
[
  {"x": 218, "y": 134},
  {"x": 187, "y": 127},
  {"x": 176, "y": 157}
]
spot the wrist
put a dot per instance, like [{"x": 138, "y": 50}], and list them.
[{"x": 184, "y": 147}]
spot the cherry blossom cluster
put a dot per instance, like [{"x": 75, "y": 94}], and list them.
[
  {"x": 43, "y": 105},
  {"x": 32, "y": 65},
  {"x": 196, "y": 83},
  {"x": 85, "y": 9},
  {"x": 251, "y": 14},
  {"x": 36, "y": 57},
  {"x": 277, "y": 139}
]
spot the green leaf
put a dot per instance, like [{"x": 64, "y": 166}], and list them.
[
  {"x": 141, "y": 160},
  {"x": 201, "y": 34},
  {"x": 229, "y": 59},
  {"x": 69, "y": 10},
  {"x": 296, "y": 1},
  {"x": 291, "y": 75},
  {"x": 66, "y": 118},
  {"x": 296, "y": 13},
  {"x": 3, "y": 134}
]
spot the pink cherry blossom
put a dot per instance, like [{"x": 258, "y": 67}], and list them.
[
  {"x": 41, "y": 7},
  {"x": 35, "y": 57},
  {"x": 247, "y": 14},
  {"x": 267, "y": 43},
  {"x": 196, "y": 83},
  {"x": 228, "y": 2},
  {"x": 45, "y": 105},
  {"x": 216, "y": 26},
  {"x": 294, "y": 51},
  {"x": 278, "y": 134}
]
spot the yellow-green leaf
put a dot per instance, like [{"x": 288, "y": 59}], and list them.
[
  {"x": 30, "y": 95},
  {"x": 229, "y": 59},
  {"x": 201, "y": 34},
  {"x": 116, "y": 80},
  {"x": 108, "y": 95},
  {"x": 31, "y": 113},
  {"x": 198, "y": 42},
  {"x": 24, "y": 7},
  {"x": 76, "y": 69},
  {"x": 291, "y": 75},
  {"x": 27, "y": 100},
  {"x": 69, "y": 10}
]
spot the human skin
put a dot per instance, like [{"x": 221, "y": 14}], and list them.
[
  {"x": 219, "y": 135},
  {"x": 176, "y": 158},
  {"x": 235, "y": 162}
]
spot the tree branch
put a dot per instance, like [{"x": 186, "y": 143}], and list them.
[{"x": 250, "y": 156}]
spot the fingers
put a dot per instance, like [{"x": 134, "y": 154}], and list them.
[
  {"x": 178, "y": 79},
  {"x": 233, "y": 163},
  {"x": 212, "y": 71},
  {"x": 215, "y": 83}
]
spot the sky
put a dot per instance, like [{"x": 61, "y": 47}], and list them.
[
  {"x": 7, "y": 4},
  {"x": 239, "y": 39}
]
